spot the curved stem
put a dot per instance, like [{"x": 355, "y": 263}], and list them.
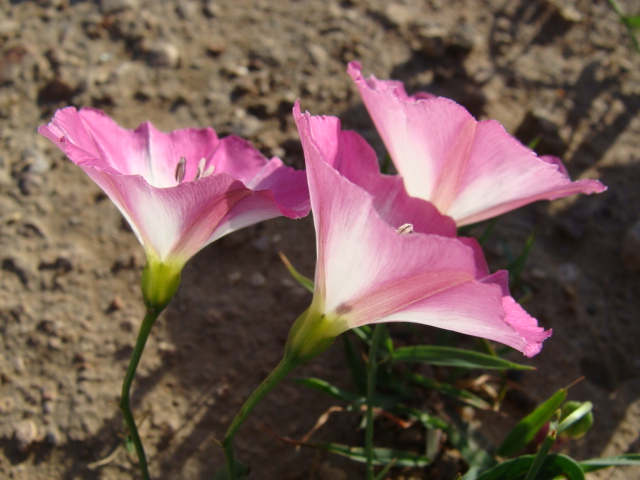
[
  {"x": 378, "y": 335},
  {"x": 282, "y": 370},
  {"x": 148, "y": 321}
]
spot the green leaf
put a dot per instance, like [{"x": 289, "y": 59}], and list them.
[
  {"x": 527, "y": 428},
  {"x": 631, "y": 22},
  {"x": 301, "y": 279},
  {"x": 464, "y": 396},
  {"x": 626, "y": 460},
  {"x": 382, "y": 456},
  {"x": 454, "y": 357},
  {"x": 556, "y": 465},
  {"x": 331, "y": 390},
  {"x": 517, "y": 468},
  {"x": 428, "y": 421},
  {"x": 513, "y": 469}
]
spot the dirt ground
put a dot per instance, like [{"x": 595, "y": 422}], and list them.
[{"x": 70, "y": 304}]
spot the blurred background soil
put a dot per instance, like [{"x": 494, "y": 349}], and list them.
[{"x": 561, "y": 71}]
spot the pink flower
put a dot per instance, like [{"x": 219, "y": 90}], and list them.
[
  {"x": 179, "y": 191},
  {"x": 384, "y": 256},
  {"x": 470, "y": 170}
]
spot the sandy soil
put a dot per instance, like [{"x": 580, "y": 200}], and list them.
[{"x": 69, "y": 296}]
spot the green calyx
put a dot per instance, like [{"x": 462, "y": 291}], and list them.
[
  {"x": 160, "y": 282},
  {"x": 311, "y": 334}
]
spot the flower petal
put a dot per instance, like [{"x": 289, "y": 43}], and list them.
[
  {"x": 144, "y": 151},
  {"x": 471, "y": 170},
  {"x": 174, "y": 218},
  {"x": 348, "y": 153}
]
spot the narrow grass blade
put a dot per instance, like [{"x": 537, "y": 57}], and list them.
[
  {"x": 626, "y": 460},
  {"x": 331, "y": 390},
  {"x": 454, "y": 357},
  {"x": 301, "y": 279},
  {"x": 574, "y": 416},
  {"x": 382, "y": 473},
  {"x": 516, "y": 469},
  {"x": 541, "y": 456},
  {"x": 382, "y": 456},
  {"x": 464, "y": 396},
  {"x": 427, "y": 420},
  {"x": 527, "y": 428}
]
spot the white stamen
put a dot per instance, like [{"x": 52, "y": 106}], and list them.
[
  {"x": 405, "y": 229},
  {"x": 181, "y": 170},
  {"x": 201, "y": 164},
  {"x": 210, "y": 169}
]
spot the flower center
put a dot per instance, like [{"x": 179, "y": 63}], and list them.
[{"x": 203, "y": 170}]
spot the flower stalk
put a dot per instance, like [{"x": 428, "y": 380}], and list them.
[
  {"x": 148, "y": 321},
  {"x": 285, "y": 366},
  {"x": 378, "y": 335}
]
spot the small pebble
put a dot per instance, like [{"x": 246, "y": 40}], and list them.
[
  {"x": 35, "y": 161},
  {"x": 30, "y": 184},
  {"x": 113, "y": 6},
  {"x": 163, "y": 54},
  {"x": 116, "y": 304},
  {"x": 25, "y": 434},
  {"x": 398, "y": 15},
  {"x": 258, "y": 280},
  {"x": 234, "y": 277},
  {"x": 54, "y": 343},
  {"x": 53, "y": 437},
  {"x": 261, "y": 243},
  {"x": 433, "y": 40},
  {"x": 568, "y": 273}
]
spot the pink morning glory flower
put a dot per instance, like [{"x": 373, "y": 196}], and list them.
[
  {"x": 181, "y": 190},
  {"x": 470, "y": 170},
  {"x": 384, "y": 256}
]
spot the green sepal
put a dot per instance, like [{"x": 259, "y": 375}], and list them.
[
  {"x": 311, "y": 334},
  {"x": 160, "y": 282}
]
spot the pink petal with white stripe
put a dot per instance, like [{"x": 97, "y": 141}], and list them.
[
  {"x": 367, "y": 272},
  {"x": 470, "y": 170},
  {"x": 221, "y": 186}
]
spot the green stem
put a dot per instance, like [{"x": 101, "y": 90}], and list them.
[
  {"x": 148, "y": 321},
  {"x": 541, "y": 456},
  {"x": 378, "y": 335},
  {"x": 282, "y": 370}
]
